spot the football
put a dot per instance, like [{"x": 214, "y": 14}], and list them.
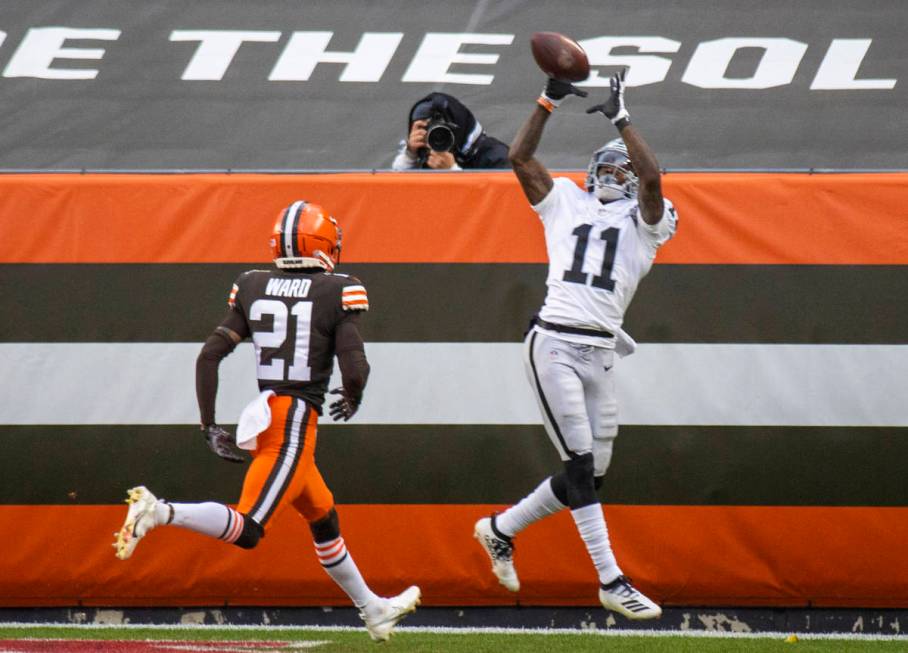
[{"x": 560, "y": 56}]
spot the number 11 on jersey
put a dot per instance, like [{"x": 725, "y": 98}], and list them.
[{"x": 604, "y": 279}]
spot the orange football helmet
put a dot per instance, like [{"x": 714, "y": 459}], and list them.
[{"x": 305, "y": 236}]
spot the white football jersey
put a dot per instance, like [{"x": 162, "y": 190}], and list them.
[{"x": 597, "y": 255}]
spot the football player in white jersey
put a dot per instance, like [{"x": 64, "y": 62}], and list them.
[{"x": 600, "y": 243}]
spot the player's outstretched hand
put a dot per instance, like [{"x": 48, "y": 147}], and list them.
[
  {"x": 613, "y": 108},
  {"x": 557, "y": 90},
  {"x": 343, "y": 408},
  {"x": 221, "y": 443}
]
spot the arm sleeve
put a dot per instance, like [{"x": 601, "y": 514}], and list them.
[
  {"x": 351, "y": 357},
  {"x": 661, "y": 232},
  {"x": 217, "y": 347}
]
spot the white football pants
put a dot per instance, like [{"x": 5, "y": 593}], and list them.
[{"x": 575, "y": 387}]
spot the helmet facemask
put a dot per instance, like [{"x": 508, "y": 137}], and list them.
[{"x": 610, "y": 175}]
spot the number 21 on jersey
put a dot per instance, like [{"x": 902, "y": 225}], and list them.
[
  {"x": 604, "y": 279},
  {"x": 278, "y": 369}
]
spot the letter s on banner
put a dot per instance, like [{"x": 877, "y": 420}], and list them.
[{"x": 643, "y": 69}]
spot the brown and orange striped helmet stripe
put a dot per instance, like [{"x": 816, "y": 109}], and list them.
[{"x": 289, "y": 243}]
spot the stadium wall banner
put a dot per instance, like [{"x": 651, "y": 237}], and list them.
[
  {"x": 280, "y": 85},
  {"x": 763, "y": 422}
]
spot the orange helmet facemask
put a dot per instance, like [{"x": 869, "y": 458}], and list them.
[{"x": 305, "y": 236}]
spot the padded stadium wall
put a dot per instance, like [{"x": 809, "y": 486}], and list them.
[{"x": 763, "y": 419}]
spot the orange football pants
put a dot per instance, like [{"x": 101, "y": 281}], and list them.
[{"x": 283, "y": 470}]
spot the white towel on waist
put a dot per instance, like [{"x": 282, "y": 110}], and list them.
[{"x": 255, "y": 418}]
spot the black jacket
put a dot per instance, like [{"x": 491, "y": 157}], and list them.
[{"x": 473, "y": 148}]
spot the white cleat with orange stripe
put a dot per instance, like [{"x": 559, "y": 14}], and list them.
[
  {"x": 392, "y": 611},
  {"x": 140, "y": 519}
]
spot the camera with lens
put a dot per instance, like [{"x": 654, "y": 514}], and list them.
[{"x": 440, "y": 133}]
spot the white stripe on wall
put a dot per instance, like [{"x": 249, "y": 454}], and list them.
[{"x": 471, "y": 383}]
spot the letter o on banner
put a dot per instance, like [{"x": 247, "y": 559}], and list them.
[{"x": 777, "y": 65}]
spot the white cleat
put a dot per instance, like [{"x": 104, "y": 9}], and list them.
[
  {"x": 394, "y": 609},
  {"x": 624, "y": 598},
  {"x": 140, "y": 519},
  {"x": 501, "y": 552}
]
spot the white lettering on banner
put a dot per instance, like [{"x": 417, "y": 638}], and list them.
[
  {"x": 439, "y": 50},
  {"x": 216, "y": 50},
  {"x": 41, "y": 45},
  {"x": 777, "y": 66},
  {"x": 439, "y": 58},
  {"x": 643, "y": 69},
  {"x": 839, "y": 68},
  {"x": 307, "y": 49}
]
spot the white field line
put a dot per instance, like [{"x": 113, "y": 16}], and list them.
[{"x": 448, "y": 630}]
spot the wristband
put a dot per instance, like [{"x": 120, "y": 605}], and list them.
[
  {"x": 547, "y": 103},
  {"x": 621, "y": 119}
]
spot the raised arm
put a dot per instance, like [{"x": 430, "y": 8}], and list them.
[
  {"x": 649, "y": 176},
  {"x": 533, "y": 176},
  {"x": 646, "y": 167}
]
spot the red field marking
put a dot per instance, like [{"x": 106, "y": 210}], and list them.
[{"x": 147, "y": 646}]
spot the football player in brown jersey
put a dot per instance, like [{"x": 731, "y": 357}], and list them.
[{"x": 299, "y": 316}]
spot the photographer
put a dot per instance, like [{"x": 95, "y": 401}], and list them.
[{"x": 444, "y": 135}]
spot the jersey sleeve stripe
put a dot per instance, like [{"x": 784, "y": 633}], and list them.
[{"x": 354, "y": 298}]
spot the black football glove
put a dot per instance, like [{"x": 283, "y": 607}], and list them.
[
  {"x": 221, "y": 443},
  {"x": 556, "y": 90},
  {"x": 345, "y": 407},
  {"x": 613, "y": 108}
]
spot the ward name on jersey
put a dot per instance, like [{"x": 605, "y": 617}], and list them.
[
  {"x": 597, "y": 255},
  {"x": 291, "y": 318}
]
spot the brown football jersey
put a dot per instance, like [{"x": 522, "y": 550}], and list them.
[{"x": 291, "y": 318}]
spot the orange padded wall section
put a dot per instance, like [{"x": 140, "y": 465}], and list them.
[
  {"x": 438, "y": 218},
  {"x": 680, "y": 555}
]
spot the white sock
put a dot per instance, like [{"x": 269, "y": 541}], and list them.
[
  {"x": 338, "y": 563},
  {"x": 212, "y": 519},
  {"x": 591, "y": 525},
  {"x": 539, "y": 503}
]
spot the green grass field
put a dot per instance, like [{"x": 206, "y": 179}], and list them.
[{"x": 418, "y": 640}]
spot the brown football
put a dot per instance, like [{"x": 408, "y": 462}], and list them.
[{"x": 560, "y": 56}]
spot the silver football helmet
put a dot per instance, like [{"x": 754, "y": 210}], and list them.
[{"x": 601, "y": 177}]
